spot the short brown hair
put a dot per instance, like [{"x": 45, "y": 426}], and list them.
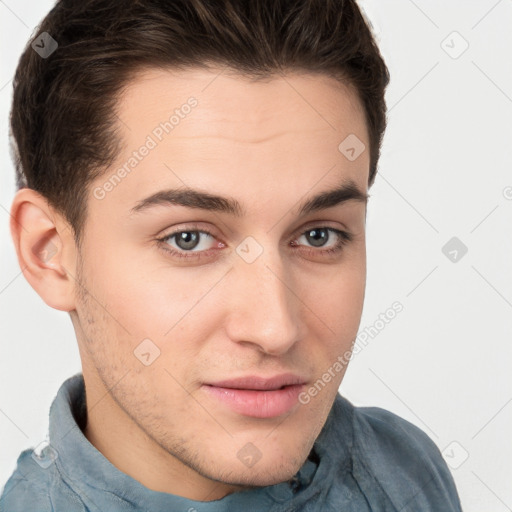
[{"x": 63, "y": 113}]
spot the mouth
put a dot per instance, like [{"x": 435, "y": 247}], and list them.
[{"x": 258, "y": 397}]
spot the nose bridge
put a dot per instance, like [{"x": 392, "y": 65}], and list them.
[{"x": 264, "y": 309}]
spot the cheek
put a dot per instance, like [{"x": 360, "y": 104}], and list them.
[
  {"x": 337, "y": 293},
  {"x": 335, "y": 301},
  {"x": 156, "y": 301},
  {"x": 127, "y": 284}
]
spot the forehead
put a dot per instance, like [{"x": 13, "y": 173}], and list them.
[
  {"x": 240, "y": 108},
  {"x": 220, "y": 132}
]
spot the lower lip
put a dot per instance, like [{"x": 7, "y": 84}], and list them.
[{"x": 257, "y": 403}]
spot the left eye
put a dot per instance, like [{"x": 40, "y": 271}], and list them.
[{"x": 317, "y": 237}]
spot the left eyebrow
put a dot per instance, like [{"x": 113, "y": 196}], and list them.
[
  {"x": 329, "y": 198},
  {"x": 191, "y": 198}
]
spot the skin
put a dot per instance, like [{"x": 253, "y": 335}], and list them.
[{"x": 270, "y": 145}]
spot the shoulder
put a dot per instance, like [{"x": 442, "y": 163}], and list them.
[
  {"x": 36, "y": 487},
  {"x": 394, "y": 434},
  {"x": 403, "y": 461},
  {"x": 27, "y": 487}
]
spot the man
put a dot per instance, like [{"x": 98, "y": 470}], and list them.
[{"x": 193, "y": 181}]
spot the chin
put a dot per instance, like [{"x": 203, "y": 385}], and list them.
[{"x": 261, "y": 476}]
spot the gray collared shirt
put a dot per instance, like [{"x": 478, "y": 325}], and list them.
[{"x": 365, "y": 459}]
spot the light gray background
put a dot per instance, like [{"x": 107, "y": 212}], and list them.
[{"x": 444, "y": 362}]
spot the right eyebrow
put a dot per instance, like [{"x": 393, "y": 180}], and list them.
[{"x": 192, "y": 199}]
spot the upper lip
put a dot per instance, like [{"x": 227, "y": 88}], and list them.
[{"x": 260, "y": 383}]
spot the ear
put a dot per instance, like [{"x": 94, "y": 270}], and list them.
[{"x": 45, "y": 248}]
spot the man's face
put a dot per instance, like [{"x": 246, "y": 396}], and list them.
[{"x": 159, "y": 322}]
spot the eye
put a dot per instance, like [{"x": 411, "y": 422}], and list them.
[
  {"x": 323, "y": 242},
  {"x": 318, "y": 237},
  {"x": 188, "y": 241}
]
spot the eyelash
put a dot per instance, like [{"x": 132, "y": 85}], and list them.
[{"x": 343, "y": 239}]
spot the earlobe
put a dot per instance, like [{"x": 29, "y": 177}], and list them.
[{"x": 45, "y": 248}]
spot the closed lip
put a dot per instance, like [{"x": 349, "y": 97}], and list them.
[{"x": 260, "y": 383}]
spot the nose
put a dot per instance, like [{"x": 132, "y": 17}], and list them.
[{"x": 263, "y": 308}]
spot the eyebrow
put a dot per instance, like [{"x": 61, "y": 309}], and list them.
[{"x": 191, "y": 198}]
